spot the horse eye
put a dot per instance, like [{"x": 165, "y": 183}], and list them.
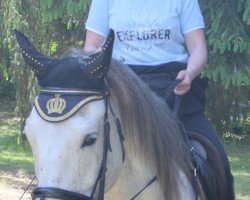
[{"x": 89, "y": 140}]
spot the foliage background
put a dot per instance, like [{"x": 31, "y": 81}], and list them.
[{"x": 56, "y": 25}]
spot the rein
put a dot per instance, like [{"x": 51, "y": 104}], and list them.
[
  {"x": 149, "y": 183},
  {"x": 193, "y": 151}
]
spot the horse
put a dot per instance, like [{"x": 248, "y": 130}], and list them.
[{"x": 98, "y": 132}]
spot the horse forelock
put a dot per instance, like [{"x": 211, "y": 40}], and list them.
[{"x": 149, "y": 126}]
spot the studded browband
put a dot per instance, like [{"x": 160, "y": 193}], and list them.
[{"x": 57, "y": 104}]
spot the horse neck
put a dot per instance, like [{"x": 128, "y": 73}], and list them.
[
  {"x": 136, "y": 172},
  {"x": 134, "y": 176}
]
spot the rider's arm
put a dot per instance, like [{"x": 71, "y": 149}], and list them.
[
  {"x": 196, "y": 46},
  {"x": 93, "y": 41}
]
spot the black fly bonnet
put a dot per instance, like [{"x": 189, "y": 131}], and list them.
[{"x": 67, "y": 84}]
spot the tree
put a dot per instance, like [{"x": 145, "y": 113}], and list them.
[
  {"x": 40, "y": 21},
  {"x": 228, "y": 36},
  {"x": 6, "y": 86},
  {"x": 55, "y": 25}
]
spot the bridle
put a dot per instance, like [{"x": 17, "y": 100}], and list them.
[
  {"x": 92, "y": 72},
  {"x": 50, "y": 192}
]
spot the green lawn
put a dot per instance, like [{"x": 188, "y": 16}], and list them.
[
  {"x": 15, "y": 158},
  {"x": 239, "y": 156}
]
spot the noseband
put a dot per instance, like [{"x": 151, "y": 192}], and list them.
[
  {"x": 55, "y": 104},
  {"x": 56, "y": 193}
]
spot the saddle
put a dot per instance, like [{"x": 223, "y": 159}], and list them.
[{"x": 208, "y": 165}]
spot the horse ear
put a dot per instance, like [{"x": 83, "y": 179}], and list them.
[
  {"x": 97, "y": 64},
  {"x": 37, "y": 61}
]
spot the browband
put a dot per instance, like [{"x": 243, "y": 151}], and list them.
[{"x": 58, "y": 104}]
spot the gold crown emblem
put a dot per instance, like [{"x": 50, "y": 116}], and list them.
[{"x": 56, "y": 105}]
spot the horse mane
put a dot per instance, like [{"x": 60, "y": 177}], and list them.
[{"x": 150, "y": 126}]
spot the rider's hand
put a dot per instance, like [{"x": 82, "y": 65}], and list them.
[{"x": 184, "y": 86}]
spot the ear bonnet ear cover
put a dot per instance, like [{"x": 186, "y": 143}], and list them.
[
  {"x": 67, "y": 83},
  {"x": 37, "y": 61},
  {"x": 68, "y": 71}
]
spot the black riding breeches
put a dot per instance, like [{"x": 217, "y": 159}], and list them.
[{"x": 191, "y": 115}]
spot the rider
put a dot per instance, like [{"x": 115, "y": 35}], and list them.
[{"x": 161, "y": 41}]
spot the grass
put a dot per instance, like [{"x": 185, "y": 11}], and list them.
[
  {"x": 239, "y": 157},
  {"x": 15, "y": 158}
]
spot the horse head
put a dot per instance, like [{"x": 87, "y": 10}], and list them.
[{"x": 68, "y": 128}]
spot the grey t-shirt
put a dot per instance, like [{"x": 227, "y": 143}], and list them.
[{"x": 147, "y": 32}]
